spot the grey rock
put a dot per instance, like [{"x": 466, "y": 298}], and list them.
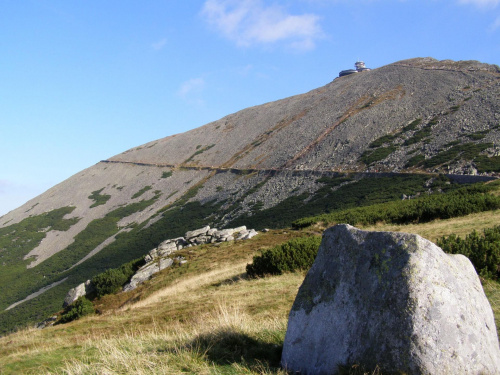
[
  {"x": 166, "y": 248},
  {"x": 46, "y": 323},
  {"x": 212, "y": 232},
  {"x": 77, "y": 292},
  {"x": 145, "y": 272},
  {"x": 223, "y": 233},
  {"x": 390, "y": 299},
  {"x": 196, "y": 233},
  {"x": 246, "y": 235}
]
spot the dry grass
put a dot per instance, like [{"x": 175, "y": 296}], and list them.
[
  {"x": 433, "y": 230},
  {"x": 179, "y": 329},
  {"x": 205, "y": 318}
]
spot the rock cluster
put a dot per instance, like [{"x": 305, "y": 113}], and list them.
[
  {"x": 160, "y": 258},
  {"x": 394, "y": 300}
]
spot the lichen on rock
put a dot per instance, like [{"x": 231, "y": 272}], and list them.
[{"x": 394, "y": 300}]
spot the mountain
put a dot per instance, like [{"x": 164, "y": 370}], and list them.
[{"x": 403, "y": 128}]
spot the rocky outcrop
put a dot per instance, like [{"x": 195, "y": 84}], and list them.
[
  {"x": 77, "y": 292},
  {"x": 159, "y": 258},
  {"x": 390, "y": 299}
]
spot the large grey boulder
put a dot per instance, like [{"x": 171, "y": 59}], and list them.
[{"x": 390, "y": 299}]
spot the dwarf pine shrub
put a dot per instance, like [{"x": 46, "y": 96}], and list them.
[
  {"x": 483, "y": 250},
  {"x": 81, "y": 307},
  {"x": 111, "y": 280},
  {"x": 294, "y": 255}
]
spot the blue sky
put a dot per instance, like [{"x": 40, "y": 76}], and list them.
[{"x": 81, "y": 81}]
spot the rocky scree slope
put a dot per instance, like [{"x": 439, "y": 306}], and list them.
[{"x": 415, "y": 115}]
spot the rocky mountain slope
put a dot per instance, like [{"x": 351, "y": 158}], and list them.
[{"x": 419, "y": 115}]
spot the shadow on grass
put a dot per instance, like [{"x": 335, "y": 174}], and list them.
[
  {"x": 232, "y": 280},
  {"x": 228, "y": 346}
]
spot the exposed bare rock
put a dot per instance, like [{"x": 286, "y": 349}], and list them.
[
  {"x": 77, "y": 292},
  {"x": 390, "y": 299}
]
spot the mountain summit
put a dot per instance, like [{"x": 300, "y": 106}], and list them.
[{"x": 419, "y": 116}]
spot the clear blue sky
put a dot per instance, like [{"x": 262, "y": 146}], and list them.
[{"x": 81, "y": 81}]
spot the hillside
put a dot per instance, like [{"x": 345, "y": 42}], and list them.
[
  {"x": 360, "y": 139},
  {"x": 206, "y": 318}
]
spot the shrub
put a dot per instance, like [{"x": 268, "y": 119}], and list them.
[
  {"x": 98, "y": 198},
  {"x": 482, "y": 250},
  {"x": 369, "y": 157},
  {"x": 294, "y": 255},
  {"x": 81, "y": 307},
  {"x": 142, "y": 191},
  {"x": 457, "y": 203},
  {"x": 111, "y": 280}
]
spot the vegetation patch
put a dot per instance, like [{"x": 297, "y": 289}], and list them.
[
  {"x": 382, "y": 140},
  {"x": 477, "y": 135},
  {"x": 78, "y": 309},
  {"x": 412, "y": 125},
  {"x": 98, "y": 198},
  {"x": 337, "y": 193},
  {"x": 415, "y": 160},
  {"x": 113, "y": 279},
  {"x": 457, "y": 203},
  {"x": 419, "y": 135},
  {"x": 369, "y": 157},
  {"x": 142, "y": 191},
  {"x": 166, "y": 174},
  {"x": 483, "y": 250},
  {"x": 466, "y": 151},
  {"x": 295, "y": 255},
  {"x": 487, "y": 164},
  {"x": 198, "y": 152}
]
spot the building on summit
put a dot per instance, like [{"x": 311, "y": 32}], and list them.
[{"x": 360, "y": 67}]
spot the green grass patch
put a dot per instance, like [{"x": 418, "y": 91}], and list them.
[{"x": 166, "y": 174}]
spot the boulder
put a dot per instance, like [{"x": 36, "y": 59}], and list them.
[
  {"x": 247, "y": 234},
  {"x": 196, "y": 233},
  {"x": 167, "y": 247},
  {"x": 394, "y": 300}
]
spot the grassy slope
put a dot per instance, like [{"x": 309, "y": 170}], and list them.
[{"x": 201, "y": 318}]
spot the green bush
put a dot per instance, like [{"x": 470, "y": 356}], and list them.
[
  {"x": 369, "y": 157},
  {"x": 457, "y": 203},
  {"x": 482, "y": 250},
  {"x": 111, "y": 280},
  {"x": 81, "y": 307},
  {"x": 294, "y": 255},
  {"x": 98, "y": 198}
]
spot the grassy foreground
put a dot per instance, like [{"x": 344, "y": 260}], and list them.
[{"x": 204, "y": 317}]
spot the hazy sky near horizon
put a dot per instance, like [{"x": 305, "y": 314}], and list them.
[{"x": 83, "y": 81}]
